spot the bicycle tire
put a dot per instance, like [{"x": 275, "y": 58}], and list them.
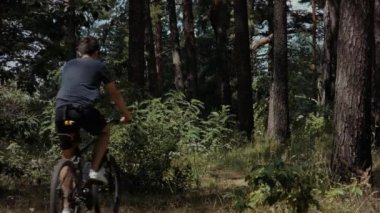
[
  {"x": 107, "y": 197},
  {"x": 56, "y": 194}
]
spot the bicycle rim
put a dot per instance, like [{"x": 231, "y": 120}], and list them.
[
  {"x": 107, "y": 197},
  {"x": 56, "y": 191}
]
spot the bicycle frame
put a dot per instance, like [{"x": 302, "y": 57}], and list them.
[
  {"x": 84, "y": 192},
  {"x": 84, "y": 188}
]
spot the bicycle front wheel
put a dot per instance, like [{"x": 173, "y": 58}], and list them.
[
  {"x": 62, "y": 187},
  {"x": 107, "y": 196}
]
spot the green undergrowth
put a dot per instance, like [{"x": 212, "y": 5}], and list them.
[
  {"x": 181, "y": 160},
  {"x": 158, "y": 151},
  {"x": 252, "y": 181},
  {"x": 293, "y": 177}
]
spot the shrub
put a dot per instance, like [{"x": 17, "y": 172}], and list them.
[
  {"x": 217, "y": 132},
  {"x": 154, "y": 151},
  {"x": 277, "y": 182},
  {"x": 17, "y": 118},
  {"x": 154, "y": 148},
  {"x": 26, "y": 145}
]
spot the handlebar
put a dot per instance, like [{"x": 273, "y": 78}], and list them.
[{"x": 113, "y": 121}]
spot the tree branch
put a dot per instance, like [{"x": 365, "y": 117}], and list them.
[{"x": 261, "y": 42}]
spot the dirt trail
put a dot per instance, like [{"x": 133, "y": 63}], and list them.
[{"x": 210, "y": 196}]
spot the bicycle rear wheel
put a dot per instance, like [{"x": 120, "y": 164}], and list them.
[
  {"x": 107, "y": 197},
  {"x": 63, "y": 174}
]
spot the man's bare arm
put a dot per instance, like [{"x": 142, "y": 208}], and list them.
[{"x": 118, "y": 99}]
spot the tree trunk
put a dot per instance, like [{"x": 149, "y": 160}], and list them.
[
  {"x": 331, "y": 22},
  {"x": 352, "y": 138},
  {"x": 270, "y": 55},
  {"x": 71, "y": 30},
  {"x": 178, "y": 76},
  {"x": 136, "y": 65},
  {"x": 243, "y": 67},
  {"x": 314, "y": 49},
  {"x": 158, "y": 48},
  {"x": 150, "y": 51},
  {"x": 278, "y": 117},
  {"x": 376, "y": 74},
  {"x": 220, "y": 19},
  {"x": 190, "y": 49},
  {"x": 270, "y": 30}
]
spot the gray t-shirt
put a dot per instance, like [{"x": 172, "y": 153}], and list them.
[{"x": 80, "y": 82}]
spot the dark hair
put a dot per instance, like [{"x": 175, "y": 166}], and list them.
[{"x": 88, "y": 45}]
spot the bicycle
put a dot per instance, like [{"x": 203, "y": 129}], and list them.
[{"x": 85, "y": 193}]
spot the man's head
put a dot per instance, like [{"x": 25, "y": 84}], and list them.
[{"x": 88, "y": 46}]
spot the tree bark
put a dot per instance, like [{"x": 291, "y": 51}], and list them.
[
  {"x": 262, "y": 41},
  {"x": 150, "y": 51},
  {"x": 158, "y": 48},
  {"x": 243, "y": 67},
  {"x": 176, "y": 53},
  {"x": 70, "y": 28},
  {"x": 220, "y": 19},
  {"x": 190, "y": 49},
  {"x": 314, "y": 50},
  {"x": 136, "y": 63},
  {"x": 270, "y": 17},
  {"x": 278, "y": 118},
  {"x": 352, "y": 138},
  {"x": 331, "y": 22},
  {"x": 376, "y": 73}
]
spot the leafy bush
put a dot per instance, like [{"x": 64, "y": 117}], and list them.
[
  {"x": 154, "y": 148},
  {"x": 277, "y": 182},
  {"x": 311, "y": 146},
  {"x": 299, "y": 178},
  {"x": 47, "y": 131},
  {"x": 217, "y": 132},
  {"x": 17, "y": 119},
  {"x": 20, "y": 166},
  {"x": 27, "y": 153}
]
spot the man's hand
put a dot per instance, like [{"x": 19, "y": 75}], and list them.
[
  {"x": 127, "y": 117},
  {"x": 119, "y": 101}
]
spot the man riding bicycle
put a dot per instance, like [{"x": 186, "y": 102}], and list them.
[{"x": 79, "y": 90}]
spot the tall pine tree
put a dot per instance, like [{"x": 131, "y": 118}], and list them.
[
  {"x": 243, "y": 67},
  {"x": 352, "y": 139},
  {"x": 278, "y": 118}
]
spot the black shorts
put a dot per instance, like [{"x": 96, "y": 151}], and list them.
[{"x": 69, "y": 119}]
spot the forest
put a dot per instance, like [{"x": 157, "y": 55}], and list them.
[{"x": 238, "y": 105}]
